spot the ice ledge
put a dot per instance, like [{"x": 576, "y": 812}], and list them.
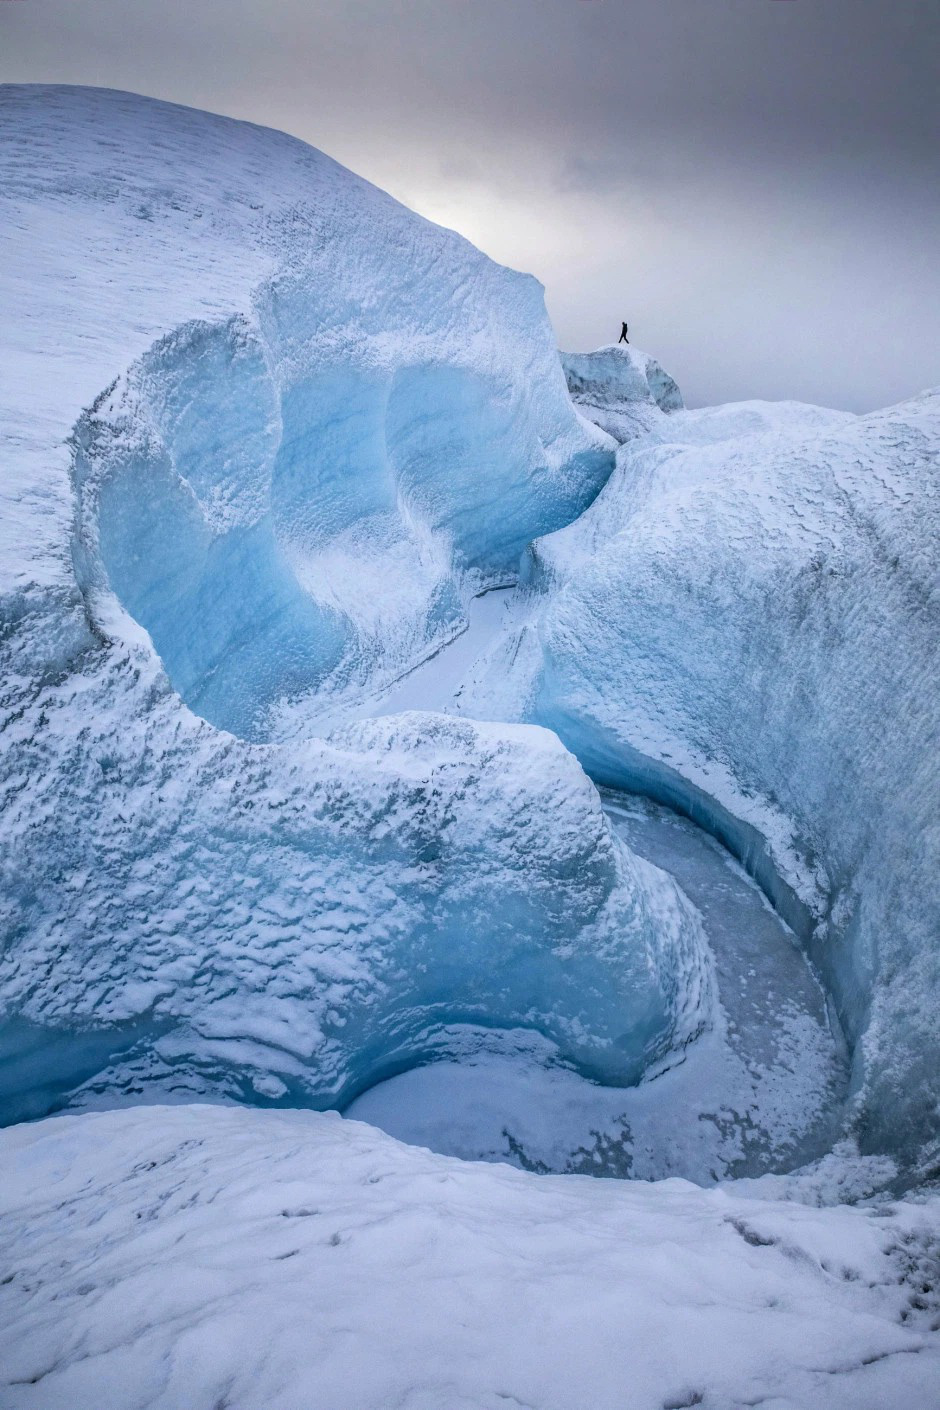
[{"x": 619, "y": 374}]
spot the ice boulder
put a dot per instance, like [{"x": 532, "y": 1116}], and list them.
[
  {"x": 620, "y": 389},
  {"x": 746, "y": 626},
  {"x": 265, "y": 431}
]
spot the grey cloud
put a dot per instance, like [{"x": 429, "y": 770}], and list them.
[{"x": 753, "y": 182}]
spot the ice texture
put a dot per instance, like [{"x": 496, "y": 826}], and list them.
[
  {"x": 289, "y": 430},
  {"x": 267, "y": 437},
  {"x": 763, "y": 1090},
  {"x": 745, "y": 625}
]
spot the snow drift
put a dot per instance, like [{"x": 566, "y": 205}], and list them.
[{"x": 191, "y": 1257}]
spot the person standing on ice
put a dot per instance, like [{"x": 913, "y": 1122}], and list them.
[{"x": 623, "y": 335}]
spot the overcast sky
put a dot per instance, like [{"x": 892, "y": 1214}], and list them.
[{"x": 755, "y": 184}]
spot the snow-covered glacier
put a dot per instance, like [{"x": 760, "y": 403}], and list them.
[
  {"x": 366, "y": 669},
  {"x": 193, "y": 1257}
]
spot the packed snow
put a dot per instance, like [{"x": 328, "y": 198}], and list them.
[{"x": 376, "y": 735}]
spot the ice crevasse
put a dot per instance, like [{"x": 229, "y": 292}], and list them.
[{"x": 293, "y": 428}]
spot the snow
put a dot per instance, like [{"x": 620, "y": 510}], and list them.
[
  {"x": 435, "y": 683},
  {"x": 201, "y": 1256}
]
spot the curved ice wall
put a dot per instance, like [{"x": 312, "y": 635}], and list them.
[
  {"x": 283, "y": 428},
  {"x": 746, "y": 624}
]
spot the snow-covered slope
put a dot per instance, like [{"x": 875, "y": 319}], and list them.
[
  {"x": 260, "y": 410},
  {"x": 746, "y": 624},
  {"x": 190, "y": 1258}
]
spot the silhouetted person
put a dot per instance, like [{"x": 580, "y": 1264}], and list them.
[{"x": 623, "y": 335}]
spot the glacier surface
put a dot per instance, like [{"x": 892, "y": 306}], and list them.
[
  {"x": 746, "y": 627},
  {"x": 191, "y": 1257}
]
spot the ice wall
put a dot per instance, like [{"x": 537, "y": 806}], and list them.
[
  {"x": 293, "y": 925},
  {"x": 265, "y": 430},
  {"x": 745, "y": 624}
]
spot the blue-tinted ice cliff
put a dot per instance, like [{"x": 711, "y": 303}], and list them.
[
  {"x": 745, "y": 624},
  {"x": 289, "y": 430}
]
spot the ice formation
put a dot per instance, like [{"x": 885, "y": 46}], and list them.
[
  {"x": 294, "y": 815},
  {"x": 745, "y": 625},
  {"x": 620, "y": 389},
  {"x": 336, "y": 423}
]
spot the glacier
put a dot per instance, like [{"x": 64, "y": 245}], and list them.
[
  {"x": 216, "y": 528},
  {"x": 403, "y": 720},
  {"x": 728, "y": 629}
]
